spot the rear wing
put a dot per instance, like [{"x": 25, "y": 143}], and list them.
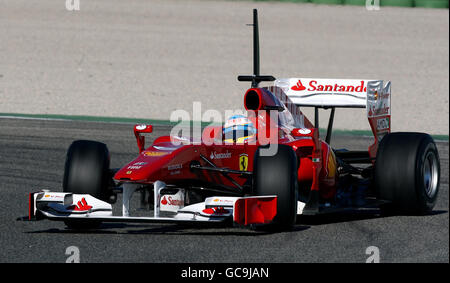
[
  {"x": 326, "y": 93},
  {"x": 373, "y": 95}
]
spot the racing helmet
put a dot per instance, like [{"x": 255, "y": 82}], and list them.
[{"x": 238, "y": 129}]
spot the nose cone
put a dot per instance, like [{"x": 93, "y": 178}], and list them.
[{"x": 145, "y": 166}]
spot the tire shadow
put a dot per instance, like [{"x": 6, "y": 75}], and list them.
[{"x": 168, "y": 229}]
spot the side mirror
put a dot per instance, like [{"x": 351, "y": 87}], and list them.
[
  {"x": 302, "y": 132},
  {"x": 141, "y": 129}
]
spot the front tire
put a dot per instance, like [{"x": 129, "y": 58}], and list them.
[
  {"x": 407, "y": 172},
  {"x": 86, "y": 172},
  {"x": 277, "y": 175}
]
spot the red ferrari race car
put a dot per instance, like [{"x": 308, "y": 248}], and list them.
[{"x": 262, "y": 169}]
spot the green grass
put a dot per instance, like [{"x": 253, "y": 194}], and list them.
[
  {"x": 87, "y": 118},
  {"x": 167, "y": 122},
  {"x": 103, "y": 119}
]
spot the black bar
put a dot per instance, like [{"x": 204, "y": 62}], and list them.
[
  {"x": 361, "y": 160},
  {"x": 316, "y": 117},
  {"x": 330, "y": 126},
  {"x": 255, "y": 45},
  {"x": 251, "y": 78},
  {"x": 356, "y": 156},
  {"x": 256, "y": 78},
  {"x": 232, "y": 271},
  {"x": 352, "y": 154}
]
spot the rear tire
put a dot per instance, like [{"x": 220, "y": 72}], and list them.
[
  {"x": 277, "y": 175},
  {"x": 407, "y": 173},
  {"x": 86, "y": 172}
]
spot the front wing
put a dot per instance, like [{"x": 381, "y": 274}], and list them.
[{"x": 168, "y": 208}]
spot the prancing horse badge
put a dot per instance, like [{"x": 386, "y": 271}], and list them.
[{"x": 243, "y": 162}]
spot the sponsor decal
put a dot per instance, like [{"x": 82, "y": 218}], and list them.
[
  {"x": 80, "y": 206},
  {"x": 383, "y": 124},
  {"x": 129, "y": 172},
  {"x": 215, "y": 211},
  {"x": 299, "y": 86},
  {"x": 139, "y": 163},
  {"x": 383, "y": 95},
  {"x": 168, "y": 200},
  {"x": 155, "y": 153},
  {"x": 314, "y": 85},
  {"x": 53, "y": 196},
  {"x": 172, "y": 202},
  {"x": 373, "y": 111},
  {"x": 225, "y": 155},
  {"x": 243, "y": 162},
  {"x": 221, "y": 201},
  {"x": 378, "y": 99},
  {"x": 133, "y": 167}
]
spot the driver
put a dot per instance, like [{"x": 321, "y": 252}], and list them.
[{"x": 238, "y": 129}]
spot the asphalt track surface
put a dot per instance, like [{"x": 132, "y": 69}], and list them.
[{"x": 32, "y": 154}]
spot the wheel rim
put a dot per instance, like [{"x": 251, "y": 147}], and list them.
[{"x": 430, "y": 174}]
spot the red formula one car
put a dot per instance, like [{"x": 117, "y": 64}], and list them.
[{"x": 264, "y": 168}]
